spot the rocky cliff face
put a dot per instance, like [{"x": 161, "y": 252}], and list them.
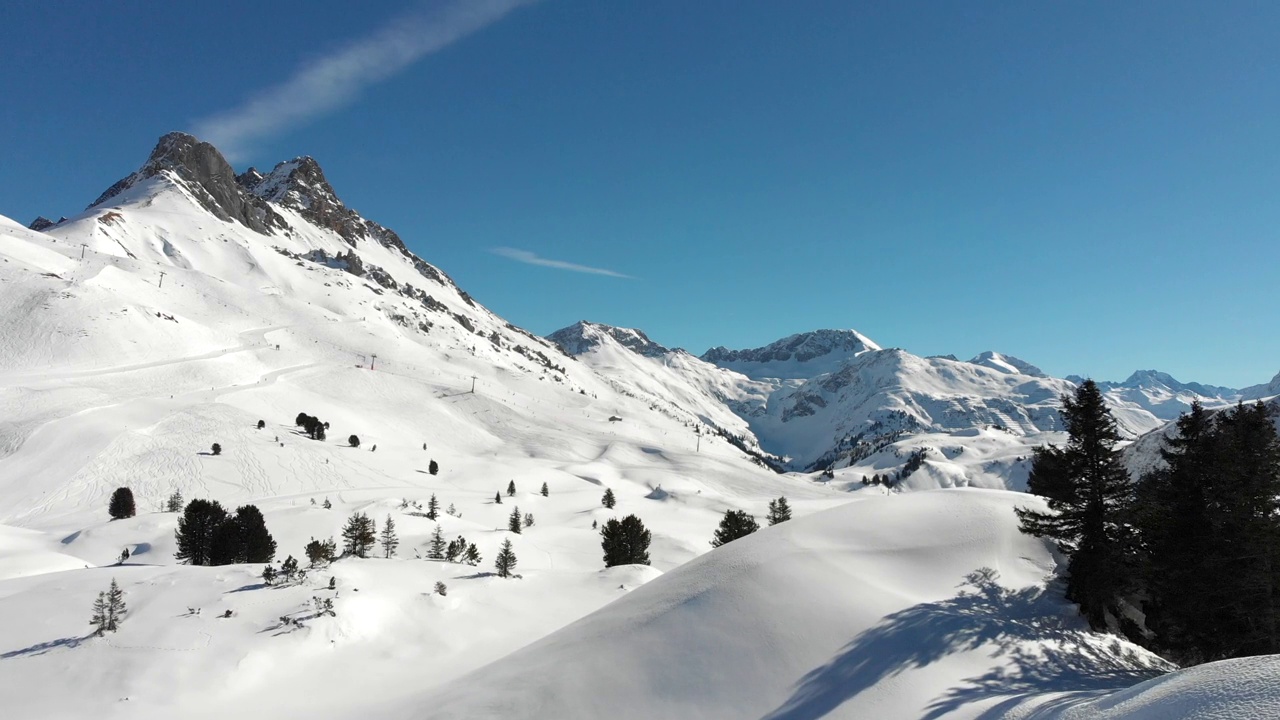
[
  {"x": 800, "y": 356},
  {"x": 209, "y": 178}
]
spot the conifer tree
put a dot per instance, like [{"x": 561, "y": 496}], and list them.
[
  {"x": 433, "y": 508},
  {"x": 433, "y": 467},
  {"x": 1092, "y": 504},
  {"x": 196, "y": 528},
  {"x": 779, "y": 511},
  {"x": 546, "y": 491},
  {"x": 497, "y": 498},
  {"x": 115, "y": 607},
  {"x": 452, "y": 511},
  {"x": 174, "y": 503},
  {"x": 269, "y": 574},
  {"x": 528, "y": 520},
  {"x": 359, "y": 535},
  {"x": 441, "y": 589},
  {"x": 226, "y": 544},
  {"x": 455, "y": 550},
  {"x": 320, "y": 551},
  {"x": 99, "y": 619},
  {"x": 511, "y": 489},
  {"x": 289, "y": 569},
  {"x": 735, "y": 524},
  {"x": 121, "y": 505},
  {"x": 438, "y": 549},
  {"x": 513, "y": 522},
  {"x": 625, "y": 542},
  {"x": 327, "y": 505},
  {"x": 506, "y": 560},
  {"x": 609, "y": 500},
  {"x": 256, "y": 543},
  {"x": 472, "y": 556},
  {"x": 388, "y": 537}
]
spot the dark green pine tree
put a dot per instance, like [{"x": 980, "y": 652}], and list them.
[
  {"x": 514, "y": 522},
  {"x": 734, "y": 524},
  {"x": 609, "y": 500},
  {"x": 497, "y": 498},
  {"x": 472, "y": 555},
  {"x": 1172, "y": 513},
  {"x": 196, "y": 528},
  {"x": 511, "y": 489},
  {"x": 390, "y": 541},
  {"x": 99, "y": 619},
  {"x": 1090, "y": 507},
  {"x": 545, "y": 490},
  {"x": 227, "y": 545},
  {"x": 439, "y": 549},
  {"x": 256, "y": 543},
  {"x": 115, "y": 607},
  {"x": 121, "y": 505},
  {"x": 359, "y": 535},
  {"x": 1246, "y": 581},
  {"x": 625, "y": 542},
  {"x": 779, "y": 511},
  {"x": 433, "y": 507},
  {"x": 505, "y": 563}
]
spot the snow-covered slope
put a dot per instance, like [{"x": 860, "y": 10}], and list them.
[
  {"x": 1264, "y": 390},
  {"x": 673, "y": 381},
  {"x": 923, "y": 605},
  {"x": 1160, "y": 396}
]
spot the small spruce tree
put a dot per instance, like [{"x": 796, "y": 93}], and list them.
[
  {"x": 441, "y": 588},
  {"x": 216, "y": 449},
  {"x": 506, "y": 560},
  {"x": 439, "y": 548},
  {"x": 115, "y": 607},
  {"x": 269, "y": 574},
  {"x": 353, "y": 441},
  {"x": 320, "y": 551},
  {"x": 433, "y": 467},
  {"x": 433, "y": 508},
  {"x": 511, "y": 489},
  {"x": 609, "y": 500},
  {"x": 327, "y": 505},
  {"x": 528, "y": 520},
  {"x": 545, "y": 490},
  {"x": 388, "y": 537},
  {"x": 497, "y": 498},
  {"x": 513, "y": 522},
  {"x": 359, "y": 535},
  {"x": 472, "y": 556},
  {"x": 779, "y": 511},
  {"x": 174, "y": 503}
]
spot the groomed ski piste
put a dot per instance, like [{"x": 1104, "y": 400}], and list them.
[{"x": 870, "y": 603}]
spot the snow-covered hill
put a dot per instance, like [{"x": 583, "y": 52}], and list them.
[
  {"x": 926, "y": 605},
  {"x": 795, "y": 357}
]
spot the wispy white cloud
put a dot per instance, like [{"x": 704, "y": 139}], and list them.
[
  {"x": 329, "y": 82},
  {"x": 529, "y": 258}
]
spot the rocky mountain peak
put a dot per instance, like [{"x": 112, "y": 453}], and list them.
[
  {"x": 1006, "y": 364},
  {"x": 209, "y": 178},
  {"x": 42, "y": 223},
  {"x": 803, "y": 355},
  {"x": 584, "y": 336}
]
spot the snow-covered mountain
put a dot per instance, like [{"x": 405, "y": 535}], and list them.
[
  {"x": 1007, "y": 364},
  {"x": 795, "y": 357},
  {"x": 1264, "y": 390},
  {"x": 1160, "y": 395}
]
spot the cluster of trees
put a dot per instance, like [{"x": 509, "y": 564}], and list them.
[
  {"x": 208, "y": 535},
  {"x": 1194, "y": 544},
  {"x": 625, "y": 542},
  {"x": 314, "y": 428},
  {"x": 739, "y": 523},
  {"x": 886, "y": 480}
]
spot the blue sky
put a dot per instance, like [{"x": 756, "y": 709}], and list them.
[{"x": 1091, "y": 186}]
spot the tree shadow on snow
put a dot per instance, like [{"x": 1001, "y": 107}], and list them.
[
  {"x": 44, "y": 647},
  {"x": 1017, "y": 623},
  {"x": 246, "y": 588},
  {"x": 476, "y": 576}
]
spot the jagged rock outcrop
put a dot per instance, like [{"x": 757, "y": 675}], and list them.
[
  {"x": 41, "y": 224},
  {"x": 210, "y": 179},
  {"x": 299, "y": 184}
]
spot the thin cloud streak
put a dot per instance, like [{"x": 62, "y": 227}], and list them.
[
  {"x": 325, "y": 84},
  {"x": 529, "y": 258}
]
